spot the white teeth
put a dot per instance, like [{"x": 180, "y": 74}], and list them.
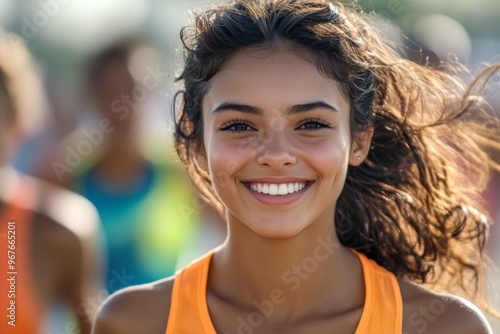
[{"x": 277, "y": 189}]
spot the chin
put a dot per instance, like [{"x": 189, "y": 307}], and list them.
[{"x": 280, "y": 230}]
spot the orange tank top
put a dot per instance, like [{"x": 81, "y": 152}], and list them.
[
  {"x": 382, "y": 312},
  {"x": 20, "y": 307}
]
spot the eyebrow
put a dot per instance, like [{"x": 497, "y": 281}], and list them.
[{"x": 298, "y": 108}]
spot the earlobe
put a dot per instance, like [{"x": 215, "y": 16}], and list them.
[{"x": 360, "y": 147}]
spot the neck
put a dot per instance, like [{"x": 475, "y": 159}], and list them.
[
  {"x": 118, "y": 166},
  {"x": 302, "y": 273}
]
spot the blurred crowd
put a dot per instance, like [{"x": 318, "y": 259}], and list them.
[
  {"x": 94, "y": 167},
  {"x": 122, "y": 215}
]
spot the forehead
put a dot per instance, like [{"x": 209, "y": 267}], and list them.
[{"x": 271, "y": 78}]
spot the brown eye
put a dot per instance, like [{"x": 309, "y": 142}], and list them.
[
  {"x": 237, "y": 126},
  {"x": 314, "y": 125}
]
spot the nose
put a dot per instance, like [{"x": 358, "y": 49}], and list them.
[{"x": 275, "y": 150}]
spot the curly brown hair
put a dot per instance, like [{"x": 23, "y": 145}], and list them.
[{"x": 414, "y": 205}]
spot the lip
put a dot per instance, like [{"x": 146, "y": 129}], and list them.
[
  {"x": 287, "y": 179},
  {"x": 277, "y": 200}
]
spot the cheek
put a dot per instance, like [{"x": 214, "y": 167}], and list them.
[
  {"x": 330, "y": 157},
  {"x": 225, "y": 158}
]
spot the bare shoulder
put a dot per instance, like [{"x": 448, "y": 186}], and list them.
[
  {"x": 73, "y": 222},
  {"x": 425, "y": 311},
  {"x": 69, "y": 209},
  {"x": 64, "y": 211},
  {"x": 140, "y": 309}
]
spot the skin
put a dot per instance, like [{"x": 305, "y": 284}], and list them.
[
  {"x": 265, "y": 238},
  {"x": 119, "y": 163},
  {"x": 65, "y": 265},
  {"x": 116, "y": 158}
]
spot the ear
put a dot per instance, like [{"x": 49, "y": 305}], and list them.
[{"x": 360, "y": 147}]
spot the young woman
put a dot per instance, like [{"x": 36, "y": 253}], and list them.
[{"x": 349, "y": 180}]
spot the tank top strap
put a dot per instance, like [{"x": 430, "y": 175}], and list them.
[
  {"x": 383, "y": 309},
  {"x": 188, "y": 307},
  {"x": 17, "y": 287}
]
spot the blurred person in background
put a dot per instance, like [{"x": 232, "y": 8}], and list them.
[
  {"x": 148, "y": 210},
  {"x": 48, "y": 233}
]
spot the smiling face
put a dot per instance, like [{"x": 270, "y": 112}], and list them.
[{"x": 277, "y": 142}]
